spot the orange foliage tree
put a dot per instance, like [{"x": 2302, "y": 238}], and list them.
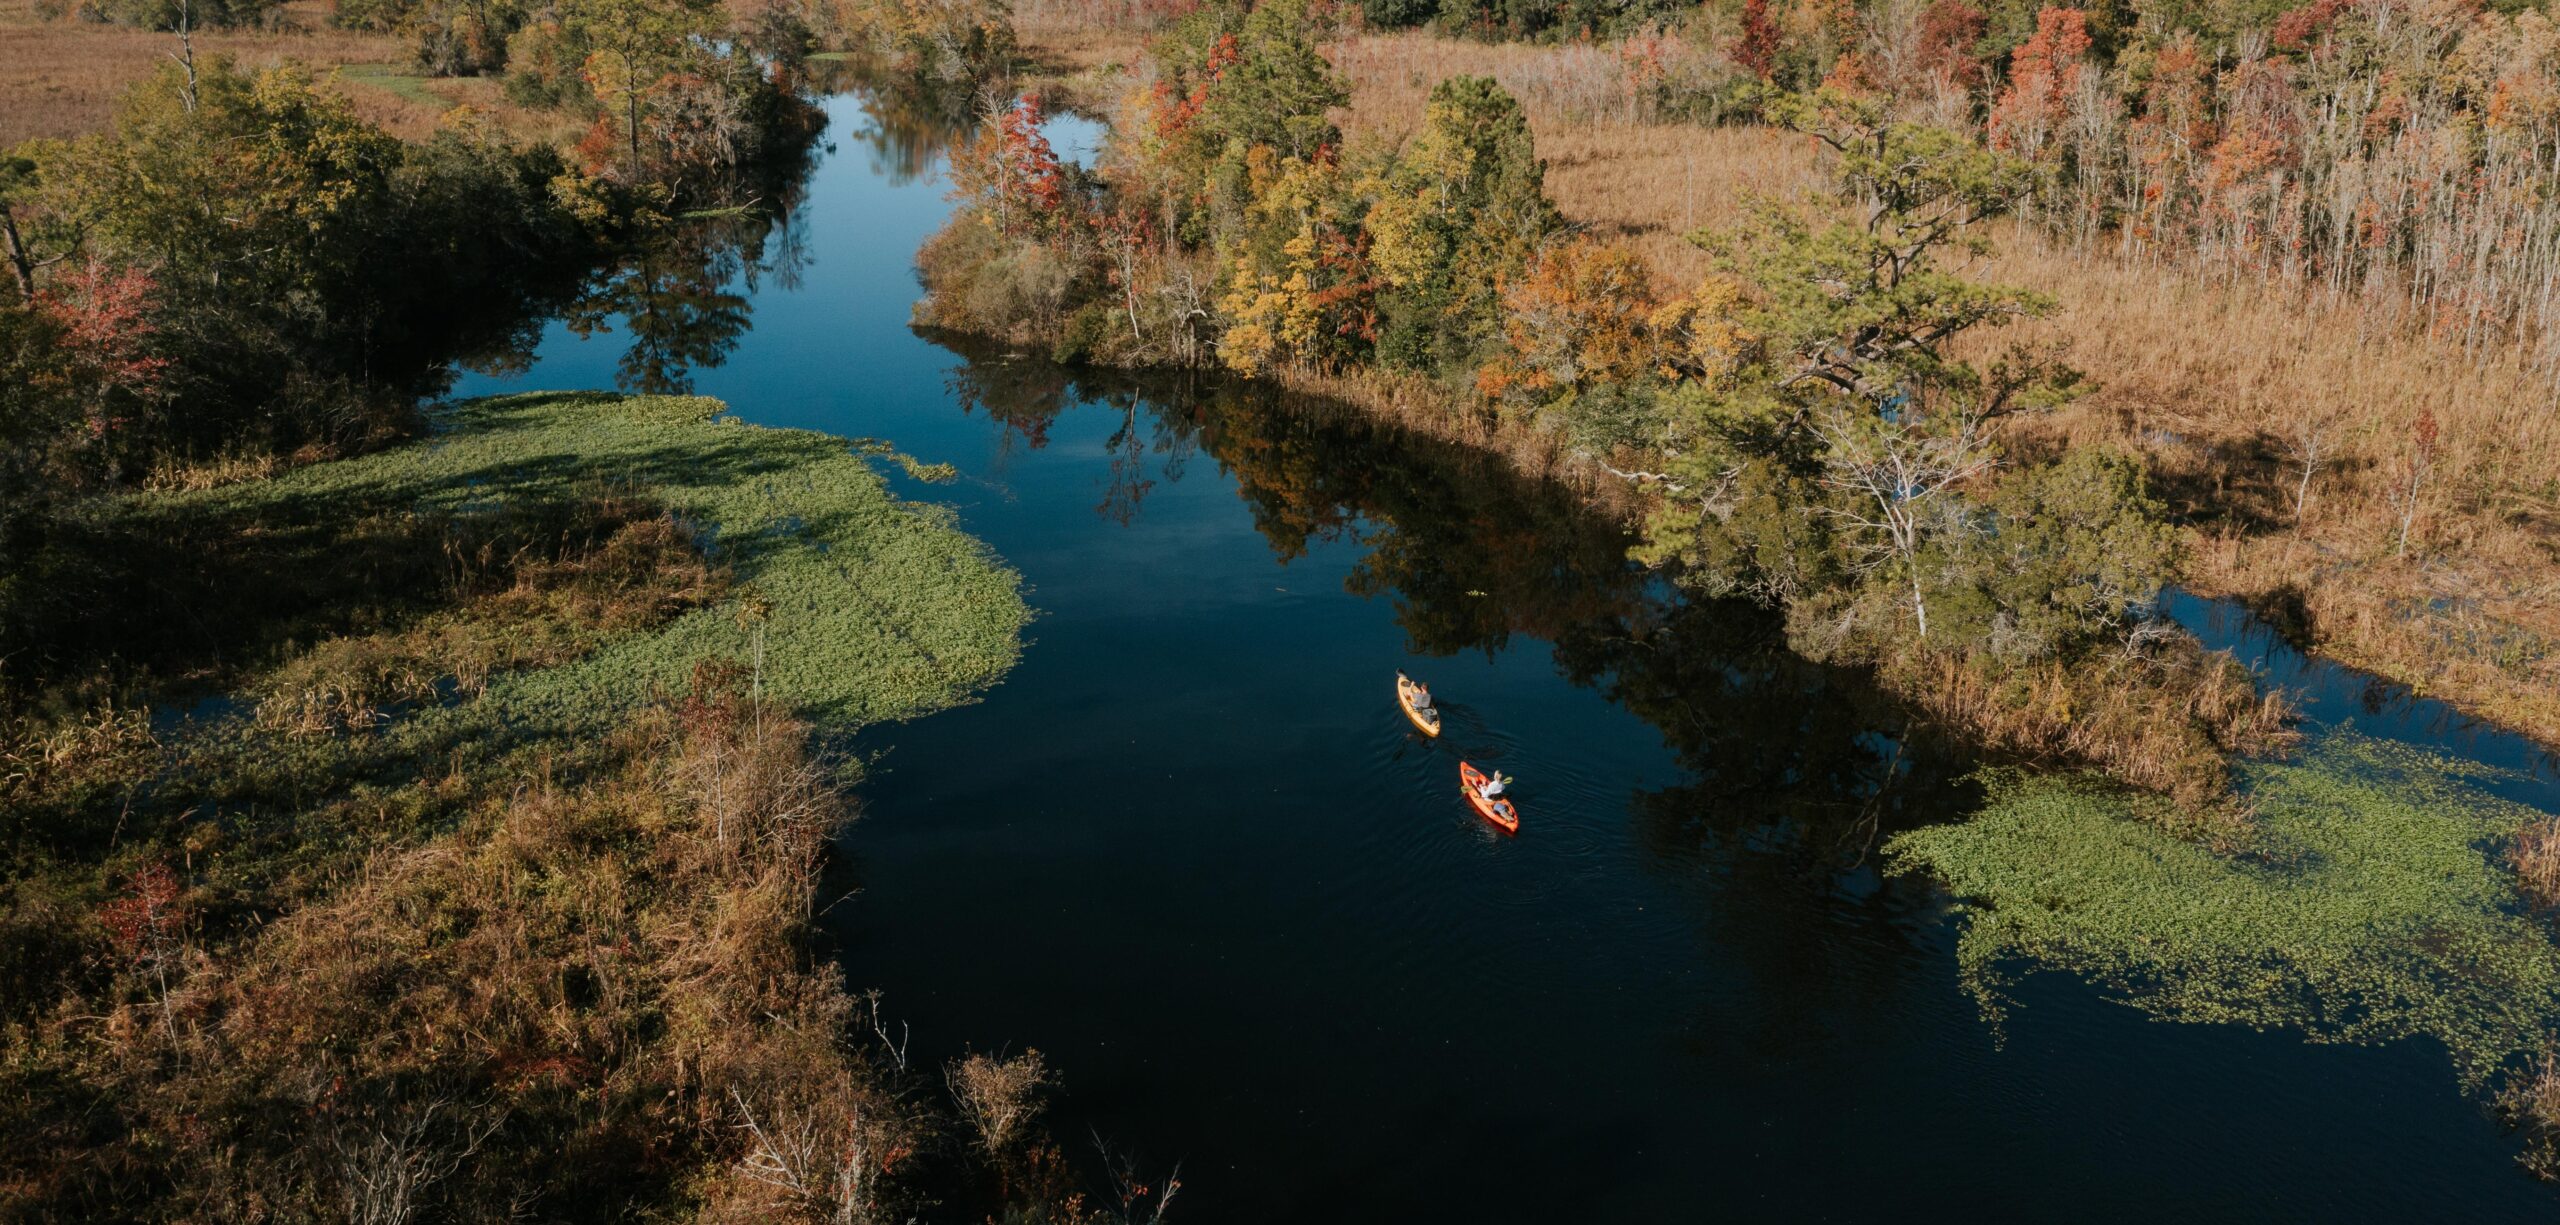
[
  {"x": 1580, "y": 315},
  {"x": 2044, "y": 73}
]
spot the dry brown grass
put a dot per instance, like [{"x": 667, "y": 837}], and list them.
[
  {"x": 1609, "y": 168},
  {"x": 62, "y": 78},
  {"x": 2167, "y": 721},
  {"x": 2531, "y": 1103},
  {"x": 1066, "y": 37},
  {"x": 2211, "y": 379},
  {"x": 2536, "y": 856}
]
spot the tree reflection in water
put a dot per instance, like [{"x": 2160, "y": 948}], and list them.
[
  {"x": 1806, "y": 766},
  {"x": 683, "y": 291}
]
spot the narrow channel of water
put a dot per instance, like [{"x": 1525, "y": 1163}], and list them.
[{"x": 1191, "y": 852}]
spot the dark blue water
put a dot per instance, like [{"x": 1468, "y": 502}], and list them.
[{"x": 1190, "y": 851}]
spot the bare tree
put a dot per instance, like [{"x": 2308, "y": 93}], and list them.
[
  {"x": 831, "y": 1166},
  {"x": 1899, "y": 470},
  {"x": 186, "y": 52},
  {"x": 386, "y": 1160},
  {"x": 1139, "y": 1202},
  {"x": 2311, "y": 443},
  {"x": 892, "y": 1049},
  {"x": 1190, "y": 307},
  {"x": 2406, "y": 493}
]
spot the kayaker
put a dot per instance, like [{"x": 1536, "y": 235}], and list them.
[
  {"x": 1493, "y": 786},
  {"x": 1421, "y": 696}
]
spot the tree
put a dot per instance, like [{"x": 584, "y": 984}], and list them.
[
  {"x": 295, "y": 266},
  {"x": 1582, "y": 314},
  {"x": 2409, "y": 491},
  {"x": 1280, "y": 87},
  {"x": 2309, "y": 442},
  {"x": 1757, "y": 46},
  {"x": 1949, "y": 32},
  {"x": 1458, "y": 214},
  {"x": 1849, "y": 410},
  {"x": 1301, "y": 286},
  {"x": 629, "y": 46},
  {"x": 2076, "y": 550},
  {"x": 1902, "y": 482},
  {"x": 147, "y": 923},
  {"x": 22, "y": 233},
  {"x": 1008, "y": 173},
  {"x": 1866, "y": 308}
]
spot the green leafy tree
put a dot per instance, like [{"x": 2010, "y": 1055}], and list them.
[
  {"x": 1280, "y": 88},
  {"x": 306, "y": 264},
  {"x": 1842, "y": 467},
  {"x": 1453, "y": 219},
  {"x": 626, "y": 47}
]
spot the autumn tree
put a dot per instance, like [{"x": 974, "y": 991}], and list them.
[
  {"x": 1582, "y": 314},
  {"x": 1458, "y": 214},
  {"x": 1757, "y": 45},
  {"x": 2044, "y": 74},
  {"x": 1008, "y": 174},
  {"x": 1949, "y": 32},
  {"x": 1301, "y": 286},
  {"x": 1853, "y": 407},
  {"x": 626, "y": 48},
  {"x": 294, "y": 265}
]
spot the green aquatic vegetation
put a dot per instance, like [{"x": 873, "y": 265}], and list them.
[
  {"x": 862, "y": 608},
  {"x": 2372, "y": 906}
]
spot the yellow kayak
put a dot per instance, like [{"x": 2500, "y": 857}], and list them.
[{"x": 1411, "y": 699}]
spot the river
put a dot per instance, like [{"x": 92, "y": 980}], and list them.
[{"x": 1190, "y": 851}]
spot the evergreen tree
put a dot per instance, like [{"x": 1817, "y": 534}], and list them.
[{"x": 1458, "y": 215}]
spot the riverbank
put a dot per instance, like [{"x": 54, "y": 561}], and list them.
[
  {"x": 451, "y": 842},
  {"x": 2278, "y": 421},
  {"x": 1435, "y": 280}
]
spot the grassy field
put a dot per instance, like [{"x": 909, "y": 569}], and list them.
[{"x": 62, "y": 77}]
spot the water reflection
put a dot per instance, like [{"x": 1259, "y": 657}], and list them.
[
  {"x": 1790, "y": 760},
  {"x": 909, "y": 123}
]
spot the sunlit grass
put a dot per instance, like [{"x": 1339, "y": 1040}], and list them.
[{"x": 868, "y": 608}]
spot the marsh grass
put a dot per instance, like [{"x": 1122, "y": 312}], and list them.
[
  {"x": 2531, "y": 1104},
  {"x": 2168, "y": 722},
  {"x": 2370, "y": 904},
  {"x": 2536, "y": 857},
  {"x": 868, "y": 608},
  {"x": 621, "y": 566},
  {"x": 500, "y": 857}
]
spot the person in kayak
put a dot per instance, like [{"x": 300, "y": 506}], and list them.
[
  {"x": 1421, "y": 696},
  {"x": 1493, "y": 787}
]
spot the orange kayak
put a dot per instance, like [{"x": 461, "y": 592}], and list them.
[
  {"x": 1408, "y": 699},
  {"x": 1500, "y": 812}
]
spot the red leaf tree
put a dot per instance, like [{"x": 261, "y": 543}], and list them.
[
  {"x": 2044, "y": 72},
  {"x": 1757, "y": 47}
]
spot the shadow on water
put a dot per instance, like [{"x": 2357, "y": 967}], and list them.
[
  {"x": 2333, "y": 697},
  {"x": 1471, "y": 555}
]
